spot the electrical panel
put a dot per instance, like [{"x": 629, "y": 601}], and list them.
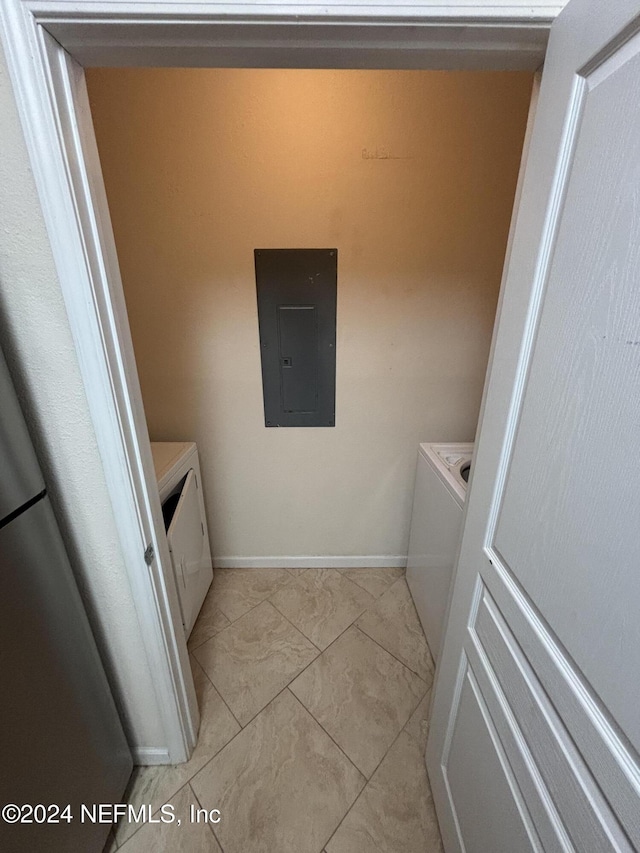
[{"x": 297, "y": 294}]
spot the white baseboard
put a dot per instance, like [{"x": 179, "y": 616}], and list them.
[
  {"x": 148, "y": 755},
  {"x": 357, "y": 562}
]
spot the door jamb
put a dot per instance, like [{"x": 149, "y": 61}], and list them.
[{"x": 54, "y": 111}]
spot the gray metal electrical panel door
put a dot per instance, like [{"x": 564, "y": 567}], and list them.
[{"x": 297, "y": 291}]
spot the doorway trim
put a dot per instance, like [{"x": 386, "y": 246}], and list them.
[{"x": 48, "y": 43}]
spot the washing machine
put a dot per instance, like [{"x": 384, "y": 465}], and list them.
[
  {"x": 177, "y": 468},
  {"x": 442, "y": 475}
]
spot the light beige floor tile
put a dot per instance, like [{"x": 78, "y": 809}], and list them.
[
  {"x": 395, "y": 811},
  {"x": 210, "y": 620},
  {"x": 282, "y": 785},
  {"x": 156, "y": 785},
  {"x": 361, "y": 695},
  {"x": 418, "y": 725},
  {"x": 111, "y": 846},
  {"x": 187, "y": 837},
  {"x": 254, "y": 659},
  {"x": 322, "y": 604},
  {"x": 238, "y": 590},
  {"x": 375, "y": 581},
  {"x": 393, "y": 622}
]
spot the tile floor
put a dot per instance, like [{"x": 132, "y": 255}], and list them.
[{"x": 313, "y": 686}]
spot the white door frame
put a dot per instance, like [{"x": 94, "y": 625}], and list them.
[{"x": 48, "y": 43}]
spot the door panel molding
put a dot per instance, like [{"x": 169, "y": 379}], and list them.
[
  {"x": 587, "y": 815},
  {"x": 470, "y": 689},
  {"x": 610, "y": 759},
  {"x": 462, "y": 670},
  {"x": 550, "y": 827},
  {"x": 544, "y": 261},
  {"x": 446, "y": 753},
  {"x": 612, "y": 55}
]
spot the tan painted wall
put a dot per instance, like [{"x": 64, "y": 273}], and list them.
[
  {"x": 411, "y": 175},
  {"x": 37, "y": 342}
]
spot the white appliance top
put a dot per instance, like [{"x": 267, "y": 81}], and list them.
[
  {"x": 447, "y": 460},
  {"x": 169, "y": 455}
]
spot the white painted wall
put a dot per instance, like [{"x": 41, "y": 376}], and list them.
[
  {"x": 411, "y": 175},
  {"x": 38, "y": 345}
]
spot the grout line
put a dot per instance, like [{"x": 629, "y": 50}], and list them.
[
  {"x": 427, "y": 719},
  {"x": 299, "y": 630},
  {"x": 290, "y": 682},
  {"x": 353, "y": 805},
  {"x": 144, "y": 823},
  {"x": 308, "y": 710},
  {"x": 353, "y": 621},
  {"x": 416, "y": 614},
  {"x": 137, "y": 829},
  {"x": 345, "y": 815},
  {"x": 384, "y": 591},
  {"x": 427, "y": 688},
  {"x": 297, "y": 675},
  {"x": 270, "y": 702},
  {"x": 421, "y": 632},
  {"x": 350, "y": 760},
  {"x": 255, "y": 717},
  {"x": 264, "y": 708},
  {"x": 210, "y": 826},
  {"x": 373, "y": 598},
  {"x": 208, "y": 761},
  {"x": 292, "y": 679},
  {"x": 280, "y": 692},
  {"x": 322, "y": 652},
  {"x": 233, "y": 621},
  {"x": 405, "y": 665},
  {"x": 192, "y": 648},
  {"x": 219, "y": 694}
]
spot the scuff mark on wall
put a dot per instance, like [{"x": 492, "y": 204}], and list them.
[{"x": 381, "y": 154}]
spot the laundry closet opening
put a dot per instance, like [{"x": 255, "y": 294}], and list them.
[{"x": 411, "y": 176}]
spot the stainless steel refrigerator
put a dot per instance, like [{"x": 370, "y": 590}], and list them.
[{"x": 61, "y": 740}]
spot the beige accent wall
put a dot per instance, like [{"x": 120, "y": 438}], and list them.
[{"x": 411, "y": 175}]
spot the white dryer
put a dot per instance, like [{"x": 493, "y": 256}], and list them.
[
  {"x": 441, "y": 487},
  {"x": 177, "y": 468}
]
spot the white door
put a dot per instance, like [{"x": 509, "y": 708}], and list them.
[{"x": 535, "y": 728}]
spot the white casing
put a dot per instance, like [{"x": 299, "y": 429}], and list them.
[
  {"x": 436, "y": 522},
  {"x": 187, "y": 536}
]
